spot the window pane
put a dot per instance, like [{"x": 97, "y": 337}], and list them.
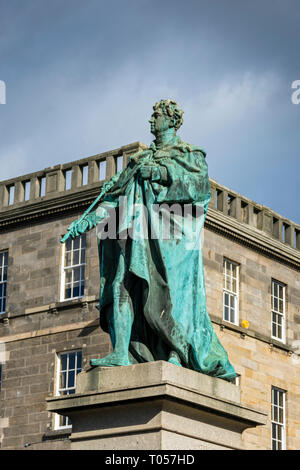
[
  {"x": 226, "y": 313},
  {"x": 71, "y": 379},
  {"x": 63, "y": 379},
  {"x": 69, "y": 276},
  {"x": 72, "y": 361},
  {"x": 274, "y": 329},
  {"x": 227, "y": 283},
  {"x": 68, "y": 258},
  {"x": 76, "y": 291},
  {"x": 76, "y": 243},
  {"x": 68, "y": 293},
  {"x": 76, "y": 272},
  {"x": 64, "y": 359},
  {"x": 79, "y": 359},
  {"x": 81, "y": 290},
  {"x": 69, "y": 244},
  {"x": 76, "y": 257},
  {"x": 280, "y": 306}
]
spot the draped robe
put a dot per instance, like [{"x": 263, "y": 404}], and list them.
[{"x": 163, "y": 276}]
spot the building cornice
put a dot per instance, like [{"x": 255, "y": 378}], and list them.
[{"x": 252, "y": 238}]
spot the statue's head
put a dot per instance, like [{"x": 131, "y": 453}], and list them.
[{"x": 166, "y": 115}]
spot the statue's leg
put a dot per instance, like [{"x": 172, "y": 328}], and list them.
[{"x": 120, "y": 324}]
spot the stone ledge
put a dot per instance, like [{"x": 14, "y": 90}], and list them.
[
  {"x": 57, "y": 434},
  {"x": 101, "y": 385},
  {"x": 155, "y": 405},
  {"x": 253, "y": 334}
]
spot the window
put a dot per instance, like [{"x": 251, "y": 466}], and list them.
[
  {"x": 230, "y": 291},
  {"x": 73, "y": 268},
  {"x": 278, "y": 419},
  {"x": 278, "y": 310},
  {"x": 69, "y": 364},
  {"x": 3, "y": 279}
]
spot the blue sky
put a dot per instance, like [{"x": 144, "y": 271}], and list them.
[{"x": 82, "y": 77}]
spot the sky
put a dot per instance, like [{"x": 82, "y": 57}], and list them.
[{"x": 82, "y": 77}]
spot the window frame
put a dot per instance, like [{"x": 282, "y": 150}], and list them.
[
  {"x": 231, "y": 293},
  {"x": 282, "y": 314},
  {"x": 3, "y": 282},
  {"x": 278, "y": 423},
  {"x": 72, "y": 267},
  {"x": 59, "y": 390}
]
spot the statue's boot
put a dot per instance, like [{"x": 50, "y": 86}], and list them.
[
  {"x": 174, "y": 359},
  {"x": 111, "y": 360}
]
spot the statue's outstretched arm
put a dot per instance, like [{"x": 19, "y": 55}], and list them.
[{"x": 91, "y": 218}]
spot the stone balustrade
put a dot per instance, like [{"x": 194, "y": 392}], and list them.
[
  {"x": 256, "y": 215},
  {"x": 58, "y": 179},
  {"x": 93, "y": 171}
]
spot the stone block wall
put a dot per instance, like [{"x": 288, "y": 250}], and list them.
[{"x": 261, "y": 361}]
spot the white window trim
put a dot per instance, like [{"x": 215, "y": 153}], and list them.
[
  {"x": 4, "y": 282},
  {"x": 283, "y": 315},
  {"x": 283, "y": 425},
  {"x": 234, "y": 294},
  {"x": 57, "y": 417},
  {"x": 63, "y": 276}
]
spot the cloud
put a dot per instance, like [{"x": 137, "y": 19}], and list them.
[{"x": 83, "y": 80}]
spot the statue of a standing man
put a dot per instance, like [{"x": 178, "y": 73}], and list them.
[{"x": 152, "y": 292}]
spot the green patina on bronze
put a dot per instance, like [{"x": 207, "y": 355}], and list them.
[{"x": 152, "y": 292}]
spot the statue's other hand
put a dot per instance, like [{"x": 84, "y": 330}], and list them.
[{"x": 146, "y": 171}]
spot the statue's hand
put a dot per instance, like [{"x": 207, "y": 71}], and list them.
[
  {"x": 87, "y": 223},
  {"x": 78, "y": 227},
  {"x": 146, "y": 172}
]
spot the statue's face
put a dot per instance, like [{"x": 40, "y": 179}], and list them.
[{"x": 160, "y": 122}]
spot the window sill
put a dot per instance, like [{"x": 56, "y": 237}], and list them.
[
  {"x": 54, "y": 307},
  {"x": 253, "y": 334},
  {"x": 57, "y": 434}
]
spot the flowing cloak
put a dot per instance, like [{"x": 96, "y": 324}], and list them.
[{"x": 163, "y": 275}]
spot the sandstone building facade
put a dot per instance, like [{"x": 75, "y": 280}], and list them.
[{"x": 49, "y": 327}]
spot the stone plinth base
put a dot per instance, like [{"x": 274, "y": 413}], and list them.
[{"x": 154, "y": 406}]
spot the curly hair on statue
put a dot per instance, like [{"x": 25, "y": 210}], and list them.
[{"x": 171, "y": 109}]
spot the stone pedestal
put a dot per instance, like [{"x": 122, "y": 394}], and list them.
[{"x": 154, "y": 406}]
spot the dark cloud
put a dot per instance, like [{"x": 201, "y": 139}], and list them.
[{"x": 82, "y": 77}]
